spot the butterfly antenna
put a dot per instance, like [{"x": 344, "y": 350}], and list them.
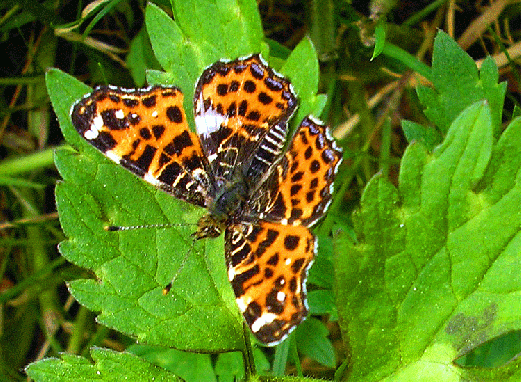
[
  {"x": 116, "y": 228},
  {"x": 168, "y": 287}
]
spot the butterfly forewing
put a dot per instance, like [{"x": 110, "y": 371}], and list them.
[
  {"x": 268, "y": 266},
  {"x": 303, "y": 180},
  {"x": 145, "y": 131},
  {"x": 236, "y": 105}
]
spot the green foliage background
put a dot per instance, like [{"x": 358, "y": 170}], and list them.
[{"x": 420, "y": 284}]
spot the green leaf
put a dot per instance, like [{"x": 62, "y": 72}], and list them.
[
  {"x": 321, "y": 301},
  {"x": 434, "y": 273},
  {"x": 229, "y": 367},
  {"x": 134, "y": 266},
  {"x": 191, "y": 367},
  {"x": 457, "y": 85},
  {"x": 140, "y": 58},
  {"x": 428, "y": 136},
  {"x": 186, "y": 46},
  {"x": 322, "y": 271},
  {"x": 380, "y": 33},
  {"x": 108, "y": 366},
  {"x": 233, "y": 30},
  {"x": 174, "y": 53},
  {"x": 302, "y": 69},
  {"x": 64, "y": 90},
  {"x": 313, "y": 342}
]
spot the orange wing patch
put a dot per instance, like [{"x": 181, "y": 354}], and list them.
[
  {"x": 245, "y": 93},
  {"x": 146, "y": 131},
  {"x": 305, "y": 176},
  {"x": 268, "y": 266},
  {"x": 235, "y": 105}
]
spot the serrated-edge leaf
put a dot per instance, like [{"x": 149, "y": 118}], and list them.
[
  {"x": 63, "y": 91},
  {"x": 108, "y": 366},
  {"x": 449, "y": 61},
  {"x": 494, "y": 92},
  {"x": 457, "y": 85},
  {"x": 425, "y": 134},
  {"x": 433, "y": 275}
]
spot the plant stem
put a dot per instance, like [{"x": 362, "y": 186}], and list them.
[{"x": 26, "y": 163}]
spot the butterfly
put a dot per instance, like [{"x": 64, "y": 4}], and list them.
[{"x": 262, "y": 196}]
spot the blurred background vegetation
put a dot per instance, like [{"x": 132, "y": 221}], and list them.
[{"x": 105, "y": 42}]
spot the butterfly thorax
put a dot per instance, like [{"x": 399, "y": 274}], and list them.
[{"x": 222, "y": 209}]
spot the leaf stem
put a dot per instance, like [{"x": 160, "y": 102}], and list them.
[
  {"x": 407, "y": 59},
  {"x": 247, "y": 354},
  {"x": 417, "y": 17},
  {"x": 27, "y": 163},
  {"x": 385, "y": 151},
  {"x": 78, "y": 331}
]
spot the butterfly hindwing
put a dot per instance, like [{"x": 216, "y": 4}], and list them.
[
  {"x": 301, "y": 187},
  {"x": 267, "y": 267}
]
